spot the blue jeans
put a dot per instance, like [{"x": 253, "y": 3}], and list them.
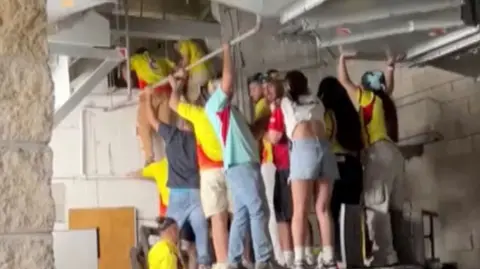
[
  {"x": 250, "y": 209},
  {"x": 184, "y": 205}
]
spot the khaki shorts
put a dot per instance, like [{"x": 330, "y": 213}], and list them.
[{"x": 214, "y": 192}]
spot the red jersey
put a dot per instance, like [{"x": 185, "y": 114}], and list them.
[{"x": 281, "y": 157}]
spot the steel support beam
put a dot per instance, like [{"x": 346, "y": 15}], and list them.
[
  {"x": 78, "y": 51},
  {"x": 449, "y": 49},
  {"x": 83, "y": 90},
  {"x": 440, "y": 42},
  {"x": 328, "y": 19},
  {"x": 166, "y": 29}
]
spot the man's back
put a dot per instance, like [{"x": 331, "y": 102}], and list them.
[{"x": 180, "y": 148}]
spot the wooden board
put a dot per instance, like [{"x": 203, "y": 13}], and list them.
[{"x": 116, "y": 233}]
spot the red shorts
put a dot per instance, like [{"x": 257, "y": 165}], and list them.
[{"x": 142, "y": 84}]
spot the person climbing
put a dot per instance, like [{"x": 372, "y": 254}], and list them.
[
  {"x": 199, "y": 75},
  {"x": 383, "y": 163},
  {"x": 344, "y": 132},
  {"x": 312, "y": 166},
  {"x": 183, "y": 178},
  {"x": 164, "y": 254},
  {"x": 158, "y": 172},
  {"x": 242, "y": 170},
  {"x": 149, "y": 70},
  {"x": 215, "y": 198}
]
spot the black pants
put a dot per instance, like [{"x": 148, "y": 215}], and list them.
[{"x": 346, "y": 190}]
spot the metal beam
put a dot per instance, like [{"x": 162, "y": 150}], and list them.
[
  {"x": 166, "y": 29},
  {"x": 83, "y": 90},
  {"x": 440, "y": 42},
  {"x": 449, "y": 49},
  {"x": 78, "y": 51},
  {"x": 380, "y": 12}
]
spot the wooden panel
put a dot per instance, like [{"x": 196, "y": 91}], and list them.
[{"x": 116, "y": 233}]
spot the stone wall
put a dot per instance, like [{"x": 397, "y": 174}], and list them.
[{"x": 26, "y": 105}]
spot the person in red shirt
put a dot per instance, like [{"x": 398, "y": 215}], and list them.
[{"x": 282, "y": 198}]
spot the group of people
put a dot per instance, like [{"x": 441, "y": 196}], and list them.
[{"x": 329, "y": 148}]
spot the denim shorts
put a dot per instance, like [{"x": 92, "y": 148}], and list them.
[{"x": 312, "y": 159}]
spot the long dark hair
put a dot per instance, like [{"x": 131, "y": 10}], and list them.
[
  {"x": 298, "y": 84},
  {"x": 375, "y": 81},
  {"x": 348, "y": 127}
]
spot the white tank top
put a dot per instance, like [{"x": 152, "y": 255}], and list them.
[{"x": 309, "y": 108}]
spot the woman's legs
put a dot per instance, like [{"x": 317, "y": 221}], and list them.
[
  {"x": 323, "y": 188},
  {"x": 301, "y": 190}
]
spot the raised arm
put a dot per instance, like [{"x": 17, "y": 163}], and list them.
[
  {"x": 152, "y": 120},
  {"x": 390, "y": 74},
  {"x": 344, "y": 78},
  {"x": 227, "y": 72}
]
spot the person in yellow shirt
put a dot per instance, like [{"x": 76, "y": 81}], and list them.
[
  {"x": 198, "y": 76},
  {"x": 214, "y": 196},
  {"x": 344, "y": 132},
  {"x": 158, "y": 172},
  {"x": 384, "y": 163},
  {"x": 164, "y": 254},
  {"x": 149, "y": 70}
]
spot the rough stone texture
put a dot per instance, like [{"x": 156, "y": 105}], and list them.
[
  {"x": 26, "y": 105},
  {"x": 27, "y": 251},
  {"x": 25, "y": 176},
  {"x": 26, "y": 100},
  {"x": 23, "y": 28}
]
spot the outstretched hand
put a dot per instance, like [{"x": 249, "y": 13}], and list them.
[{"x": 346, "y": 54}]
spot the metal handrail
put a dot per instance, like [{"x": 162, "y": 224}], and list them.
[{"x": 211, "y": 55}]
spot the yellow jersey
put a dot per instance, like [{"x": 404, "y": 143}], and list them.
[
  {"x": 331, "y": 132},
  {"x": 164, "y": 255},
  {"x": 150, "y": 69},
  {"x": 203, "y": 129},
  {"x": 372, "y": 117},
  {"x": 159, "y": 172},
  {"x": 262, "y": 111},
  {"x": 192, "y": 51}
]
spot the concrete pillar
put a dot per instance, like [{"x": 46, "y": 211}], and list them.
[{"x": 27, "y": 210}]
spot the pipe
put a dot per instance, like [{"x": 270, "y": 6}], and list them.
[
  {"x": 409, "y": 27},
  {"x": 127, "y": 45},
  {"x": 297, "y": 9},
  {"x": 440, "y": 42},
  {"x": 447, "y": 50},
  {"x": 238, "y": 39}
]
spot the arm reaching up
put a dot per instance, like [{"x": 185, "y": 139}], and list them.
[
  {"x": 227, "y": 72},
  {"x": 390, "y": 73},
  {"x": 344, "y": 78}
]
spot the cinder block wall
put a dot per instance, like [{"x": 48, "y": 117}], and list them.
[{"x": 446, "y": 178}]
